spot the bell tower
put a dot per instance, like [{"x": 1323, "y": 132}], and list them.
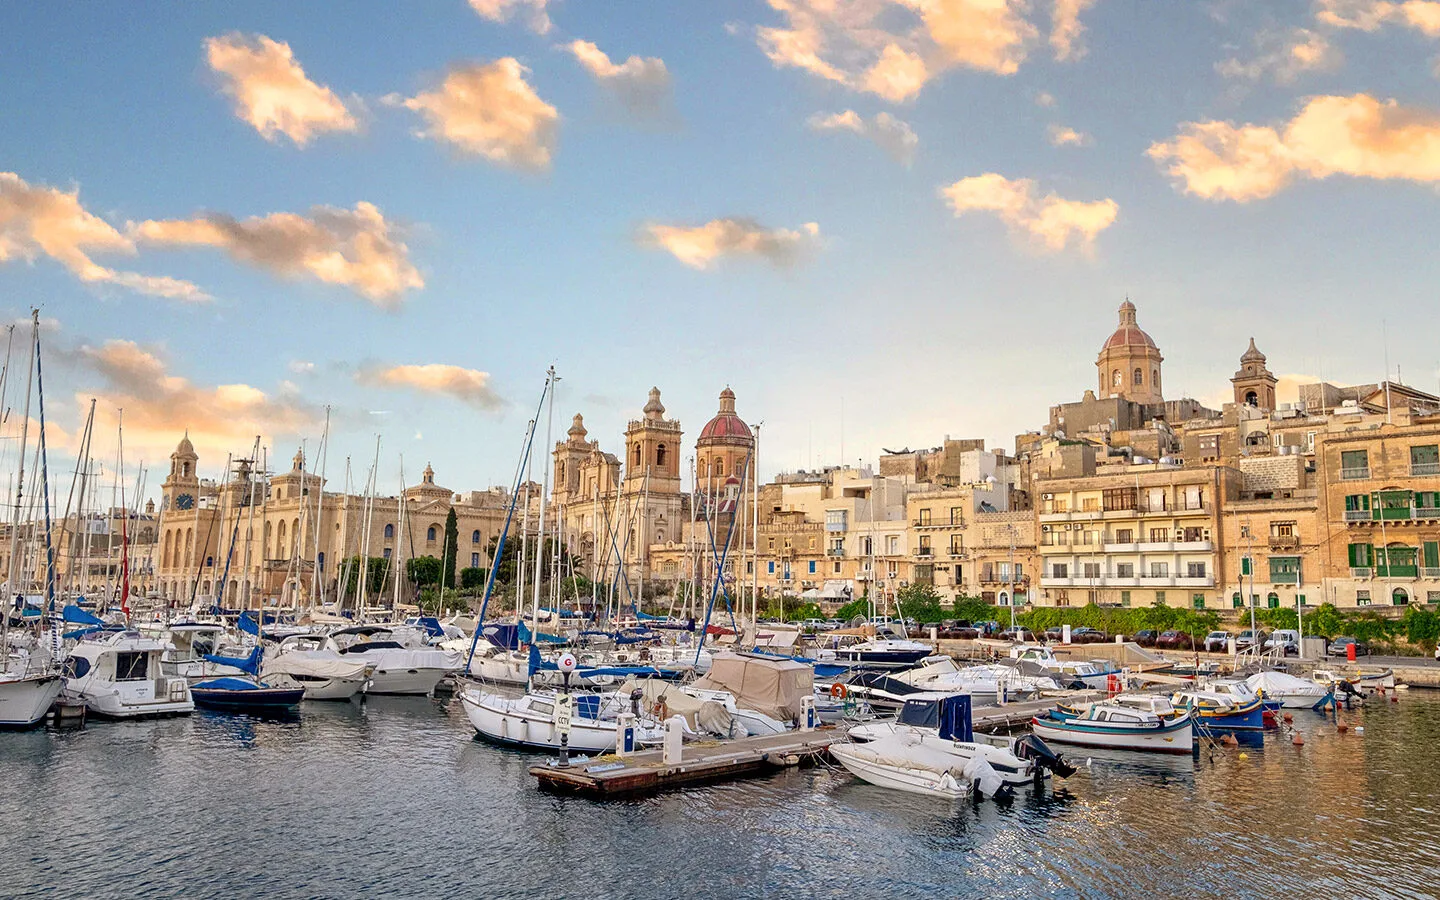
[
  {"x": 1254, "y": 384},
  {"x": 652, "y": 444},
  {"x": 181, "y": 488}
]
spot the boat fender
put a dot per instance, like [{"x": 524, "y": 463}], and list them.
[{"x": 839, "y": 691}]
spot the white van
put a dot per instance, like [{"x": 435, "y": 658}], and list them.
[{"x": 1286, "y": 638}]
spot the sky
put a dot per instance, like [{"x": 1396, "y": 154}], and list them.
[{"x": 880, "y": 222}]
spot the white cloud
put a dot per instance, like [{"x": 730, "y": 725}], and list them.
[
  {"x": 1045, "y": 99},
  {"x": 1368, "y": 15},
  {"x": 699, "y": 247},
  {"x": 890, "y": 133},
  {"x": 1062, "y": 136},
  {"x": 1284, "y": 56},
  {"x": 355, "y": 248},
  {"x": 534, "y": 12},
  {"x": 44, "y": 221},
  {"x": 642, "y": 85},
  {"x": 1358, "y": 136},
  {"x": 271, "y": 91},
  {"x": 469, "y": 386},
  {"x": 487, "y": 109},
  {"x": 1051, "y": 219},
  {"x": 1066, "y": 29},
  {"x": 892, "y": 48}
]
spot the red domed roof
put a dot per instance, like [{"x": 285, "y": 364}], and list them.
[
  {"x": 1128, "y": 334},
  {"x": 726, "y": 423}
]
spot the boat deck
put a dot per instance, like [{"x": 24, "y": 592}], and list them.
[
  {"x": 702, "y": 761},
  {"x": 1013, "y": 715}
]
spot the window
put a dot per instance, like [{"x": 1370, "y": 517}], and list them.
[
  {"x": 389, "y": 532},
  {"x": 959, "y": 574},
  {"x": 1124, "y": 570},
  {"x": 1090, "y": 570},
  {"x": 1362, "y": 556},
  {"x": 1159, "y": 570},
  {"x": 1124, "y": 598},
  {"x": 957, "y": 515},
  {"x": 1159, "y": 598},
  {"x": 1117, "y": 499},
  {"x": 837, "y": 567},
  {"x": 1430, "y": 558},
  {"x": 924, "y": 517},
  {"x": 955, "y": 545},
  {"x": 474, "y": 560},
  {"x": 430, "y": 534},
  {"x": 1362, "y": 598},
  {"x": 1432, "y": 596},
  {"x": 1059, "y": 570},
  {"x": 1284, "y": 570},
  {"x": 835, "y": 520},
  {"x": 1062, "y": 598},
  {"x": 771, "y": 543},
  {"x": 132, "y": 666},
  {"x": 1235, "y": 601},
  {"x": 1124, "y": 536},
  {"x": 475, "y": 536},
  {"x": 770, "y": 566},
  {"x": 1195, "y": 570},
  {"x": 1272, "y": 600},
  {"x": 1116, "y": 379},
  {"x": 660, "y": 454},
  {"x": 1354, "y": 464},
  {"x": 1247, "y": 566},
  {"x": 385, "y": 553},
  {"x": 812, "y": 567},
  {"x": 1282, "y": 529},
  {"x": 1138, "y": 377},
  {"x": 719, "y": 466},
  {"x": 1159, "y": 535},
  {"x": 1425, "y": 460}
]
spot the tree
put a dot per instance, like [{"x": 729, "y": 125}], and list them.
[
  {"x": 452, "y": 547},
  {"x": 378, "y": 567},
  {"x": 973, "y": 609},
  {"x": 423, "y": 570},
  {"x": 919, "y": 602},
  {"x": 472, "y": 577},
  {"x": 860, "y": 607}
]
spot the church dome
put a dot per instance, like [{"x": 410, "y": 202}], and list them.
[
  {"x": 1253, "y": 354},
  {"x": 726, "y": 423},
  {"x": 1128, "y": 334},
  {"x": 185, "y": 448}
]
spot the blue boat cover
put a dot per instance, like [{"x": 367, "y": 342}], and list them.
[
  {"x": 226, "y": 684},
  {"x": 955, "y": 723},
  {"x": 431, "y": 626},
  {"x": 250, "y": 665},
  {"x": 78, "y": 616},
  {"x": 541, "y": 636},
  {"x": 506, "y": 637}
]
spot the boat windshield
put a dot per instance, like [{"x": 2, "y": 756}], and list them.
[{"x": 920, "y": 713}]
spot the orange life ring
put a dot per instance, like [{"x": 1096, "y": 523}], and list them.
[{"x": 839, "y": 691}]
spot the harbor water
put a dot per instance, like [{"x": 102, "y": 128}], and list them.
[{"x": 394, "y": 799}]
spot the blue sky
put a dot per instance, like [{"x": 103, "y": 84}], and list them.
[{"x": 919, "y": 321}]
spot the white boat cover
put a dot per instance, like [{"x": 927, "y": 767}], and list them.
[
  {"x": 902, "y": 751},
  {"x": 765, "y": 684},
  {"x": 700, "y": 715},
  {"x": 1279, "y": 683},
  {"x": 319, "y": 665}
]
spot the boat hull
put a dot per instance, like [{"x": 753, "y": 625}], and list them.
[
  {"x": 1168, "y": 739},
  {"x": 259, "y": 700},
  {"x": 404, "y": 681},
  {"x": 899, "y": 778},
  {"x": 493, "y": 720},
  {"x": 24, "y": 701}
]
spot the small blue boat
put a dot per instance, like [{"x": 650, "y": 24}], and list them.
[
  {"x": 1219, "y": 712},
  {"x": 245, "y": 695}
]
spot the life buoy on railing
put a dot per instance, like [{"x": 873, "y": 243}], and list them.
[
  {"x": 839, "y": 691},
  {"x": 1112, "y": 684}
]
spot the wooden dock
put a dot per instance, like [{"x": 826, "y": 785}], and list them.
[
  {"x": 702, "y": 761},
  {"x": 1014, "y": 715}
]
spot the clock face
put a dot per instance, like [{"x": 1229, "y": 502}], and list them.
[{"x": 184, "y": 501}]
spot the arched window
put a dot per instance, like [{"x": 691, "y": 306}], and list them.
[
  {"x": 295, "y": 536},
  {"x": 475, "y": 536},
  {"x": 1139, "y": 376},
  {"x": 1155, "y": 379},
  {"x": 660, "y": 454},
  {"x": 320, "y": 561},
  {"x": 1272, "y": 600},
  {"x": 719, "y": 467},
  {"x": 1252, "y": 399},
  {"x": 389, "y": 532},
  {"x": 1117, "y": 379},
  {"x": 280, "y": 543},
  {"x": 430, "y": 534},
  {"x": 1399, "y": 597},
  {"x": 635, "y": 454}
]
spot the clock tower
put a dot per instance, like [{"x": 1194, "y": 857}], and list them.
[{"x": 182, "y": 486}]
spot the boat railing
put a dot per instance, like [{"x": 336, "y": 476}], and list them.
[{"x": 1256, "y": 657}]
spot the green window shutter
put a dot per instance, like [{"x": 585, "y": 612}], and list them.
[
  {"x": 1432, "y": 554},
  {"x": 1245, "y": 565},
  {"x": 1355, "y": 555}
]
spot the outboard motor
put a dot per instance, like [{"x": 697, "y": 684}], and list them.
[
  {"x": 1033, "y": 748},
  {"x": 1349, "y": 689}
]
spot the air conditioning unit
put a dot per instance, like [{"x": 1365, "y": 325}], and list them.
[
  {"x": 1047, "y": 496},
  {"x": 1045, "y": 528}
]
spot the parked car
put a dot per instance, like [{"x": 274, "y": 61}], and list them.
[
  {"x": 1175, "y": 640},
  {"x": 958, "y": 631},
  {"x": 812, "y": 625},
  {"x": 1087, "y": 635},
  {"x": 1247, "y": 639},
  {"x": 1217, "y": 642},
  {"x": 1054, "y": 633},
  {"x": 1286, "y": 639},
  {"x": 1147, "y": 637},
  {"x": 988, "y": 628},
  {"x": 911, "y": 623},
  {"x": 1339, "y": 647},
  {"x": 1019, "y": 634}
]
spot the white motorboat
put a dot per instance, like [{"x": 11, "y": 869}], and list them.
[
  {"x": 920, "y": 721},
  {"x": 1290, "y": 691},
  {"x": 903, "y": 762},
  {"x": 891, "y": 653},
  {"x": 400, "y": 659},
  {"x": 530, "y": 721},
  {"x": 189, "y": 644},
  {"x": 752, "y": 721},
  {"x": 323, "y": 675},
  {"x": 27, "y": 691},
  {"x": 117, "y": 674},
  {"x": 1127, "y": 723},
  {"x": 1095, "y": 674},
  {"x": 986, "y": 683}
]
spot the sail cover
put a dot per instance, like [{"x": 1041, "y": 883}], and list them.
[{"x": 766, "y": 684}]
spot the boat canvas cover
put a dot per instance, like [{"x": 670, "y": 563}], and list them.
[
  {"x": 902, "y": 751},
  {"x": 1277, "y": 683},
  {"x": 776, "y": 638},
  {"x": 317, "y": 666},
  {"x": 764, "y": 684},
  {"x": 700, "y": 715}
]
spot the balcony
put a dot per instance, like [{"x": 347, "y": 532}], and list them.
[
  {"x": 1420, "y": 469},
  {"x": 1362, "y": 572},
  {"x": 1430, "y": 573},
  {"x": 1000, "y": 578},
  {"x": 1355, "y": 473},
  {"x": 1087, "y": 515},
  {"x": 1194, "y": 546},
  {"x": 1155, "y": 546},
  {"x": 959, "y": 553},
  {"x": 925, "y": 553},
  {"x": 1284, "y": 542},
  {"x": 938, "y": 523},
  {"x": 835, "y": 551},
  {"x": 1357, "y": 515}
]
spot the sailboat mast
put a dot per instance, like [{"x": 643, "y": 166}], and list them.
[
  {"x": 544, "y": 489},
  {"x": 124, "y": 517},
  {"x": 20, "y": 474},
  {"x": 317, "y": 583},
  {"x": 399, "y": 534}
]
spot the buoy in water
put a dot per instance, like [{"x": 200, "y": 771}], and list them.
[
  {"x": 1289, "y": 718},
  {"x": 1244, "y": 756},
  {"x": 1394, "y": 699},
  {"x": 1359, "y": 729},
  {"x": 1230, "y": 740},
  {"x": 1341, "y": 727},
  {"x": 1298, "y": 740}
]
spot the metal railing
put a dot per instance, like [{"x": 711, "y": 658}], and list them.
[
  {"x": 1284, "y": 542},
  {"x": 1362, "y": 572},
  {"x": 1429, "y": 468},
  {"x": 1430, "y": 572},
  {"x": 1354, "y": 473},
  {"x": 1357, "y": 515}
]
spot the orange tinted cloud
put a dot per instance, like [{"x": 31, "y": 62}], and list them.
[
  {"x": 1285, "y": 57},
  {"x": 355, "y": 248},
  {"x": 1066, "y": 29},
  {"x": 895, "y": 136},
  {"x": 43, "y": 221},
  {"x": 466, "y": 385},
  {"x": 1358, "y": 136},
  {"x": 1369, "y": 15},
  {"x": 1051, "y": 219},
  {"x": 699, "y": 247},
  {"x": 641, "y": 84},
  {"x": 271, "y": 91},
  {"x": 503, "y": 10},
  {"x": 487, "y": 109}
]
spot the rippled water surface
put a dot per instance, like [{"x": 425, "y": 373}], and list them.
[{"x": 394, "y": 799}]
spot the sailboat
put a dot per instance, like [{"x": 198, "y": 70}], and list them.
[
  {"x": 238, "y": 693},
  {"x": 29, "y": 681}
]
